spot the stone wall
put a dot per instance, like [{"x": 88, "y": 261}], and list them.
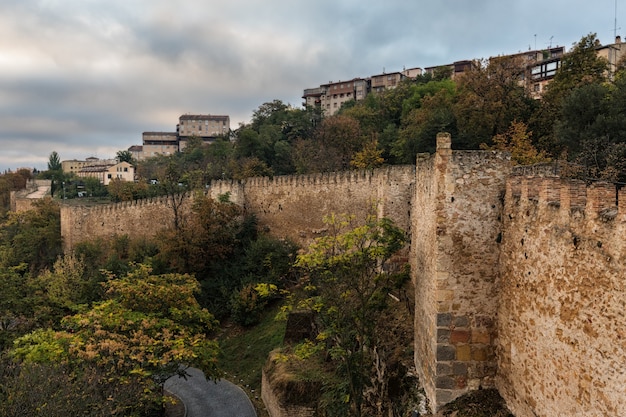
[
  {"x": 561, "y": 322},
  {"x": 524, "y": 290},
  {"x": 288, "y": 207},
  {"x": 455, "y": 250},
  {"x": 276, "y": 406},
  {"x": 23, "y": 200},
  {"x": 139, "y": 218}
]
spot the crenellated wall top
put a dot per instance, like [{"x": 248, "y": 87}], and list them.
[{"x": 598, "y": 200}]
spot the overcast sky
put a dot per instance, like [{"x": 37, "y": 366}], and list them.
[{"x": 87, "y": 77}]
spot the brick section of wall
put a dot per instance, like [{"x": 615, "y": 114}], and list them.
[{"x": 561, "y": 322}]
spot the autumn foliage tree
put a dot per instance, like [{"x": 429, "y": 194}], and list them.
[
  {"x": 346, "y": 281},
  {"x": 148, "y": 329}
]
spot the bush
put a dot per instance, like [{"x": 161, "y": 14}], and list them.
[{"x": 248, "y": 304}]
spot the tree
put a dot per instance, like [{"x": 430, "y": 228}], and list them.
[
  {"x": 338, "y": 138},
  {"x": 54, "y": 162},
  {"x": 489, "y": 99},
  {"x": 422, "y": 124},
  {"x": 368, "y": 158},
  {"x": 55, "y": 171},
  {"x": 125, "y": 156},
  {"x": 32, "y": 237},
  {"x": 580, "y": 66},
  {"x": 346, "y": 280},
  {"x": 148, "y": 329},
  {"x": 517, "y": 141}
]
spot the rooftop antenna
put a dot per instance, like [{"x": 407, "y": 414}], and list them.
[
  {"x": 535, "y": 42},
  {"x": 550, "y": 47},
  {"x": 615, "y": 22}
]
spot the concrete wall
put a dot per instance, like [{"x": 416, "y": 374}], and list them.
[
  {"x": 561, "y": 322},
  {"x": 455, "y": 244}
]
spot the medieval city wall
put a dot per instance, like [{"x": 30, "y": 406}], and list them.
[
  {"x": 286, "y": 206},
  {"x": 138, "y": 218},
  {"x": 455, "y": 250},
  {"x": 519, "y": 280},
  {"x": 561, "y": 322},
  {"x": 294, "y": 206}
]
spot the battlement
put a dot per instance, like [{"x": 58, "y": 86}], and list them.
[
  {"x": 107, "y": 209},
  {"x": 569, "y": 196},
  {"x": 339, "y": 177}
]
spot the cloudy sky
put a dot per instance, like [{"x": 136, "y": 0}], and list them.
[{"x": 87, "y": 77}]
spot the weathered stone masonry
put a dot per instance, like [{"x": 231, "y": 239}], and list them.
[
  {"x": 455, "y": 254},
  {"x": 561, "y": 319},
  {"x": 520, "y": 280}
]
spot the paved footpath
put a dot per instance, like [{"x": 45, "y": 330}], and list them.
[{"x": 204, "y": 398}]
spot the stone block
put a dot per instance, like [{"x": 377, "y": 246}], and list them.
[
  {"x": 445, "y": 382},
  {"x": 443, "y": 335},
  {"x": 445, "y": 295},
  {"x": 446, "y": 352},
  {"x": 459, "y": 336},
  {"x": 444, "y": 368},
  {"x": 463, "y": 353},
  {"x": 481, "y": 336},
  {"x": 444, "y": 319},
  {"x": 482, "y": 353},
  {"x": 459, "y": 368},
  {"x": 461, "y": 321}
]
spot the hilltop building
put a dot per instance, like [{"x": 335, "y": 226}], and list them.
[
  {"x": 331, "y": 96},
  {"x": 204, "y": 126},
  {"x": 613, "y": 53},
  {"x": 539, "y": 68},
  {"x": 73, "y": 166}
]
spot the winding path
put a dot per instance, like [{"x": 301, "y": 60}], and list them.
[{"x": 204, "y": 398}]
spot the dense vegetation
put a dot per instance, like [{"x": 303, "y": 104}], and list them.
[{"x": 106, "y": 324}]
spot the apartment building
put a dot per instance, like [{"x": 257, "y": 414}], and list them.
[
  {"x": 158, "y": 143},
  {"x": 331, "y": 96}
]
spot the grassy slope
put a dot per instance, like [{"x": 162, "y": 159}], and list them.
[{"x": 245, "y": 351}]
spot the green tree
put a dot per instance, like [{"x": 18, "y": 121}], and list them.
[
  {"x": 580, "y": 66},
  {"x": 55, "y": 172},
  {"x": 54, "y": 162},
  {"x": 346, "y": 280},
  {"x": 125, "y": 156},
  {"x": 32, "y": 237},
  {"x": 148, "y": 329},
  {"x": 422, "y": 124}
]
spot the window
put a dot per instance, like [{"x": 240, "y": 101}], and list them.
[
  {"x": 109, "y": 176},
  {"x": 125, "y": 169}
]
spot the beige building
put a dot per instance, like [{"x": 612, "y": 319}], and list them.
[
  {"x": 613, "y": 53},
  {"x": 73, "y": 166},
  {"x": 156, "y": 143},
  {"x": 204, "y": 126},
  {"x": 106, "y": 173}
]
